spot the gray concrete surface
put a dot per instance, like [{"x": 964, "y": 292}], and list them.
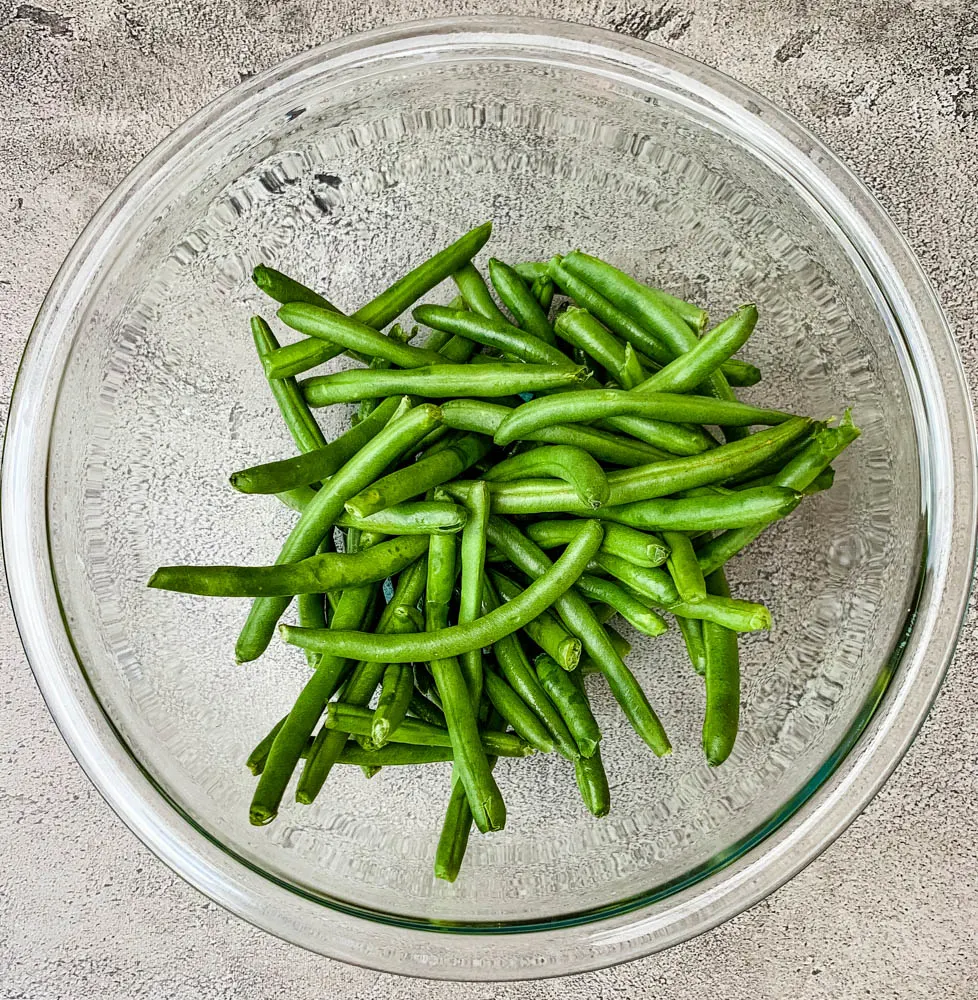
[{"x": 87, "y": 86}]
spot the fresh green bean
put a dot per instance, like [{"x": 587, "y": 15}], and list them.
[
  {"x": 475, "y": 292},
  {"x": 580, "y": 329},
  {"x": 496, "y": 333},
  {"x": 571, "y": 702},
  {"x": 318, "y": 464},
  {"x": 258, "y": 756},
  {"x": 573, "y": 465},
  {"x": 289, "y": 741},
  {"x": 692, "y": 633},
  {"x": 333, "y": 327},
  {"x": 636, "y": 546},
  {"x": 530, "y": 270},
  {"x": 482, "y": 417},
  {"x": 358, "y": 721},
  {"x": 683, "y": 567},
  {"x": 363, "y": 681},
  {"x": 517, "y": 713},
  {"x": 551, "y": 583},
  {"x": 646, "y": 482},
  {"x": 579, "y": 619},
  {"x": 520, "y": 301},
  {"x": 544, "y": 630},
  {"x": 675, "y": 439},
  {"x": 721, "y": 721},
  {"x": 542, "y": 290},
  {"x": 396, "y": 688},
  {"x": 315, "y": 575},
  {"x": 592, "y": 783},
  {"x": 387, "y": 306},
  {"x": 321, "y": 513},
  {"x": 695, "y": 366},
  {"x": 420, "y": 477},
  {"x": 473, "y": 552},
  {"x": 392, "y": 754},
  {"x": 439, "y": 381},
  {"x": 282, "y": 288},
  {"x": 799, "y": 473},
  {"x": 423, "y": 517},
  {"x": 298, "y": 418},
  {"x": 471, "y": 766},
  {"x": 583, "y": 406},
  {"x": 640, "y": 617},
  {"x": 515, "y": 668}
]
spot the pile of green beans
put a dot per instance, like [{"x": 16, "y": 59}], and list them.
[{"x": 536, "y": 467}]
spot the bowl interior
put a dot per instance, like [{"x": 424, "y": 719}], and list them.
[{"x": 346, "y": 180}]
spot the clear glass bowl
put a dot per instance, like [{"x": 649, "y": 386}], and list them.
[{"x": 139, "y": 393}]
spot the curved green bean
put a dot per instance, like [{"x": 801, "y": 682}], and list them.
[
  {"x": 580, "y": 329},
  {"x": 619, "y": 540},
  {"x": 637, "y": 615},
  {"x": 573, "y": 465},
  {"x": 438, "y": 381},
  {"x": 571, "y": 702},
  {"x": 256, "y": 759},
  {"x": 583, "y": 406},
  {"x": 451, "y": 641},
  {"x": 521, "y": 302},
  {"x": 475, "y": 292},
  {"x": 282, "y": 288},
  {"x": 321, "y": 513},
  {"x": 423, "y": 517}
]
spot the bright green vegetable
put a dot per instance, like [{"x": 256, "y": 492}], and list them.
[
  {"x": 573, "y": 465},
  {"x": 473, "y": 552},
  {"x": 521, "y": 302},
  {"x": 619, "y": 540},
  {"x": 571, "y": 702},
  {"x": 683, "y": 567},
  {"x": 722, "y": 682}
]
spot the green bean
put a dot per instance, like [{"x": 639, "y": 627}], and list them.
[
  {"x": 437, "y": 381},
  {"x": 800, "y": 472},
  {"x": 471, "y": 765},
  {"x": 740, "y": 373},
  {"x": 424, "y": 517},
  {"x": 311, "y": 609},
  {"x": 318, "y": 464},
  {"x": 544, "y": 630},
  {"x": 573, "y": 465},
  {"x": 362, "y": 683},
  {"x": 722, "y": 682},
  {"x": 683, "y": 567},
  {"x": 475, "y": 292},
  {"x": 497, "y": 333},
  {"x": 692, "y": 633},
  {"x": 542, "y": 290},
  {"x": 579, "y": 619},
  {"x": 396, "y": 688},
  {"x": 420, "y": 477},
  {"x": 656, "y": 479},
  {"x": 282, "y": 288},
  {"x": 482, "y": 417},
  {"x": 426, "y": 710},
  {"x": 537, "y": 597},
  {"x": 258, "y": 756},
  {"x": 302, "y": 425},
  {"x": 315, "y": 575},
  {"x": 657, "y": 587},
  {"x": 515, "y": 667},
  {"x": 632, "y": 372},
  {"x": 393, "y": 754},
  {"x": 582, "y": 406},
  {"x": 695, "y": 366},
  {"x": 692, "y": 315},
  {"x": 592, "y": 783},
  {"x": 517, "y": 713},
  {"x": 640, "y": 617},
  {"x": 675, "y": 439},
  {"x": 589, "y": 298},
  {"x": 473, "y": 552},
  {"x": 324, "y": 324},
  {"x": 520, "y": 301},
  {"x": 358, "y": 721},
  {"x": 387, "y": 306},
  {"x": 571, "y": 702},
  {"x": 619, "y": 540},
  {"x": 289, "y": 741},
  {"x": 579, "y": 328},
  {"x": 530, "y": 270},
  {"x": 321, "y": 513}
]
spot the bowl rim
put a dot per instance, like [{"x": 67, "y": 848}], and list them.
[{"x": 946, "y": 423}]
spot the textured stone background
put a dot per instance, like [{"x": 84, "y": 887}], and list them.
[{"x": 86, "y": 87}]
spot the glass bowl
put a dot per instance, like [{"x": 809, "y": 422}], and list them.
[{"x": 139, "y": 393}]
